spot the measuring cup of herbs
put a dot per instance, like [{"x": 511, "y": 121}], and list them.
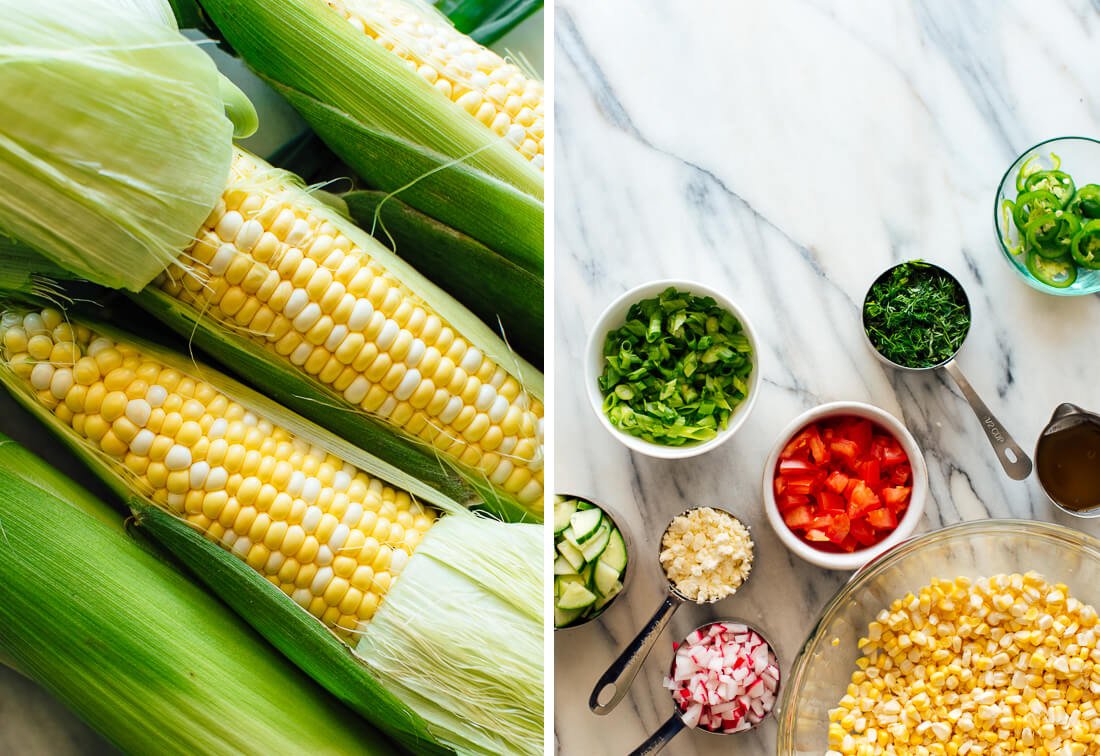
[{"x": 916, "y": 316}]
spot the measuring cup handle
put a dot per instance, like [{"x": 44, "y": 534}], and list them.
[
  {"x": 1013, "y": 459},
  {"x": 624, "y": 669},
  {"x": 658, "y": 740}
]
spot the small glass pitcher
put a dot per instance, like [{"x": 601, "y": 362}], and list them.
[{"x": 1067, "y": 457}]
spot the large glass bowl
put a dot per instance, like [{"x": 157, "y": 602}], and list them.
[
  {"x": 1080, "y": 158},
  {"x": 820, "y": 674}
]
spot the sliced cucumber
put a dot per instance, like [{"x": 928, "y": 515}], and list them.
[
  {"x": 572, "y": 555},
  {"x": 563, "y": 510},
  {"x": 575, "y": 596},
  {"x": 615, "y": 553},
  {"x": 563, "y": 567},
  {"x": 581, "y": 505},
  {"x": 585, "y": 524},
  {"x": 601, "y": 602},
  {"x": 595, "y": 545},
  {"x": 605, "y": 577},
  {"x": 571, "y": 538},
  {"x": 563, "y": 617}
]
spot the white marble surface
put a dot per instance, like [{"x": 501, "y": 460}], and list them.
[{"x": 786, "y": 152}]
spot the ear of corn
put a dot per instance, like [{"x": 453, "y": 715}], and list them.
[
  {"x": 492, "y": 287},
  {"x": 380, "y": 95},
  {"x": 115, "y": 143},
  {"x": 328, "y": 527},
  {"x": 134, "y": 648},
  {"x": 340, "y": 320}
]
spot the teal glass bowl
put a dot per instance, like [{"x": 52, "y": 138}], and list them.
[
  {"x": 1080, "y": 158},
  {"x": 820, "y": 674}
]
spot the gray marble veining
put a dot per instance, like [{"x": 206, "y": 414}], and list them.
[{"x": 785, "y": 153}]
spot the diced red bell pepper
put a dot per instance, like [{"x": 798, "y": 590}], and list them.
[
  {"x": 816, "y": 535},
  {"x": 838, "y": 528},
  {"x": 797, "y": 468},
  {"x": 787, "y": 502},
  {"x": 860, "y": 432},
  {"x": 869, "y": 471},
  {"x": 882, "y": 519},
  {"x": 830, "y": 501},
  {"x": 896, "y": 498},
  {"x": 862, "y": 501},
  {"x": 802, "y": 486},
  {"x": 844, "y": 448},
  {"x": 901, "y": 475},
  {"x": 818, "y": 451},
  {"x": 893, "y": 455},
  {"x": 863, "y": 533},
  {"x": 799, "y": 517},
  {"x": 837, "y": 481}
]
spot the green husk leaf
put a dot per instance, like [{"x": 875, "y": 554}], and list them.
[
  {"x": 491, "y": 211},
  {"x": 487, "y": 21},
  {"x": 474, "y": 594},
  {"x": 305, "y": 45},
  {"x": 115, "y": 144},
  {"x": 134, "y": 648},
  {"x": 24, "y": 270},
  {"x": 497, "y": 291}
]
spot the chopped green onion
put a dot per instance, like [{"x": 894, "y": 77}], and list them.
[{"x": 676, "y": 370}]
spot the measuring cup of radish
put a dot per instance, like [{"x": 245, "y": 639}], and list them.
[
  {"x": 725, "y": 534},
  {"x": 724, "y": 679}
]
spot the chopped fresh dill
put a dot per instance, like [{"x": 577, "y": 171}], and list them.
[{"x": 916, "y": 315}]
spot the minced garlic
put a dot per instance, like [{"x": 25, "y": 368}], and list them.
[{"x": 707, "y": 554}]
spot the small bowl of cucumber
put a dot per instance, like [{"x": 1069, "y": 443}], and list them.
[{"x": 590, "y": 561}]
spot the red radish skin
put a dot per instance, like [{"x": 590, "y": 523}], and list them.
[{"x": 724, "y": 678}]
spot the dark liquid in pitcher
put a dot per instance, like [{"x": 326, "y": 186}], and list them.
[{"x": 1068, "y": 462}]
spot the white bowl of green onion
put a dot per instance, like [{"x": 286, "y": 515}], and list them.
[{"x": 672, "y": 368}]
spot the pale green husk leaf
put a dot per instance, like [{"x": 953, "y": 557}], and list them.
[
  {"x": 134, "y": 648},
  {"x": 459, "y": 638},
  {"x": 114, "y": 142}
]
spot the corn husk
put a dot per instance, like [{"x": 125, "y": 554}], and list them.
[
  {"x": 388, "y": 124},
  {"x": 114, "y": 140},
  {"x": 300, "y": 636},
  {"x": 135, "y": 649}
]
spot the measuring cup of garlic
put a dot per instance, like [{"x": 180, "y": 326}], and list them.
[{"x": 706, "y": 554}]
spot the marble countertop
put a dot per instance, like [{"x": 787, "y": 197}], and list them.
[{"x": 785, "y": 153}]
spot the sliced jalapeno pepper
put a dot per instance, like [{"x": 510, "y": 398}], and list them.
[
  {"x": 1058, "y": 273},
  {"x": 1086, "y": 246},
  {"x": 1086, "y": 202},
  {"x": 1058, "y": 183},
  {"x": 1051, "y": 234},
  {"x": 1034, "y": 203},
  {"x": 1026, "y": 170}
]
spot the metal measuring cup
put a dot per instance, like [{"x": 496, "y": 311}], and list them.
[
  {"x": 624, "y": 669},
  {"x": 674, "y": 724},
  {"x": 1012, "y": 457}
]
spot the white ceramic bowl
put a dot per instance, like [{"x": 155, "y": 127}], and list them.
[
  {"x": 613, "y": 317},
  {"x": 908, "y": 522}
]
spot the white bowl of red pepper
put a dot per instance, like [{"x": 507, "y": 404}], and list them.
[{"x": 844, "y": 483}]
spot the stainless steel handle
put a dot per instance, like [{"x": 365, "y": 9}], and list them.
[
  {"x": 624, "y": 669},
  {"x": 658, "y": 740},
  {"x": 1013, "y": 459}
]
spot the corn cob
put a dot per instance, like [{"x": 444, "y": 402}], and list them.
[
  {"x": 137, "y": 650},
  {"x": 295, "y": 529},
  {"x": 278, "y": 268},
  {"x": 328, "y": 535},
  {"x": 493, "y": 91}
]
